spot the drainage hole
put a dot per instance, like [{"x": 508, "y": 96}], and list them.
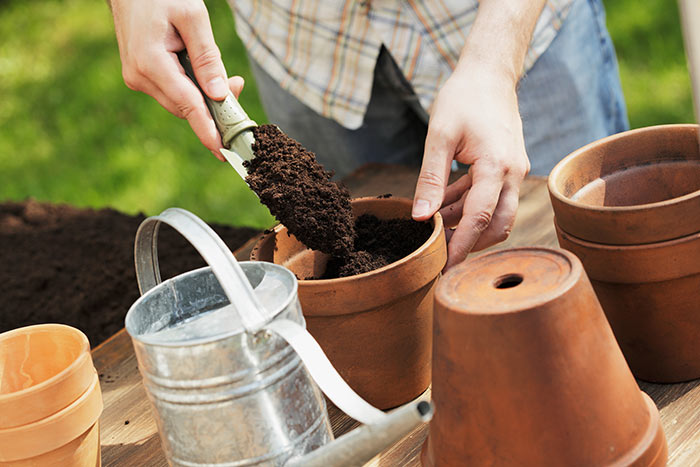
[{"x": 508, "y": 281}]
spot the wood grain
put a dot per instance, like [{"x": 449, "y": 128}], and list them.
[{"x": 129, "y": 434}]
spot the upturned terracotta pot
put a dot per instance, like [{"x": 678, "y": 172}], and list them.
[
  {"x": 640, "y": 186},
  {"x": 651, "y": 296},
  {"x": 376, "y": 327},
  {"x": 526, "y": 370},
  {"x": 50, "y": 399}
]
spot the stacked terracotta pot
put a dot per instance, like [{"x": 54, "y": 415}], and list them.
[
  {"x": 376, "y": 327},
  {"x": 629, "y": 207},
  {"x": 50, "y": 399}
]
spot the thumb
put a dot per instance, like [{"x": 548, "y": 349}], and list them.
[
  {"x": 195, "y": 29},
  {"x": 434, "y": 173},
  {"x": 235, "y": 84}
]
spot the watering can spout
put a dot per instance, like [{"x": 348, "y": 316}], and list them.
[{"x": 363, "y": 443}]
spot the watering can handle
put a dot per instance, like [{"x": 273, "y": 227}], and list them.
[{"x": 214, "y": 251}]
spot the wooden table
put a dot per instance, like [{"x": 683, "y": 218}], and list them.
[{"x": 128, "y": 431}]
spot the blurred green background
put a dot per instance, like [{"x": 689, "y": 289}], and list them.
[{"x": 71, "y": 131}]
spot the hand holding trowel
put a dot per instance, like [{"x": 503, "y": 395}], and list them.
[{"x": 233, "y": 123}]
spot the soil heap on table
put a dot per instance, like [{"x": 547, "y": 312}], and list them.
[
  {"x": 300, "y": 193},
  {"x": 62, "y": 264},
  {"x": 317, "y": 211}
]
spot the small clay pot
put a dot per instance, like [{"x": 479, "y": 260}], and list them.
[
  {"x": 68, "y": 437},
  {"x": 45, "y": 368},
  {"x": 50, "y": 398},
  {"x": 651, "y": 296},
  {"x": 640, "y": 186},
  {"x": 526, "y": 370},
  {"x": 376, "y": 327}
]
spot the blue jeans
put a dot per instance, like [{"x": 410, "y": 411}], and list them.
[{"x": 570, "y": 97}]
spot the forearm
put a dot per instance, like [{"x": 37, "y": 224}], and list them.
[{"x": 500, "y": 36}]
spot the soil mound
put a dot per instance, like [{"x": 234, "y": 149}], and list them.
[
  {"x": 317, "y": 211},
  {"x": 74, "y": 266}
]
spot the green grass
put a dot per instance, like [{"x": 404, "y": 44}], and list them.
[
  {"x": 649, "y": 43},
  {"x": 70, "y": 130}
]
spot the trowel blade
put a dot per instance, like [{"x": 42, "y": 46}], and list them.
[{"x": 236, "y": 162}]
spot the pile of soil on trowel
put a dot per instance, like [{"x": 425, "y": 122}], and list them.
[
  {"x": 317, "y": 210},
  {"x": 300, "y": 193}
]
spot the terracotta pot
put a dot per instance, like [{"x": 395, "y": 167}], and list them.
[
  {"x": 636, "y": 187},
  {"x": 44, "y": 368},
  {"x": 68, "y": 437},
  {"x": 50, "y": 398},
  {"x": 375, "y": 327},
  {"x": 651, "y": 296},
  {"x": 526, "y": 370}
]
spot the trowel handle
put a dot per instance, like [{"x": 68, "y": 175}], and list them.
[{"x": 230, "y": 118}]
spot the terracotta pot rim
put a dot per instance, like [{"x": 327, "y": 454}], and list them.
[
  {"x": 437, "y": 231},
  {"x": 554, "y": 174},
  {"x": 628, "y": 248},
  {"x": 73, "y": 367},
  {"x": 72, "y": 421}
]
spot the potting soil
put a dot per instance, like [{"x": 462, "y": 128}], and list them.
[
  {"x": 317, "y": 210},
  {"x": 300, "y": 193},
  {"x": 62, "y": 264},
  {"x": 378, "y": 243}
]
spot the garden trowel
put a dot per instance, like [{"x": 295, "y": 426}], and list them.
[{"x": 233, "y": 123}]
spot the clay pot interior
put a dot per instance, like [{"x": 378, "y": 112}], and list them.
[
  {"x": 43, "y": 369},
  {"x": 31, "y": 359},
  {"x": 620, "y": 174},
  {"x": 630, "y": 188}
]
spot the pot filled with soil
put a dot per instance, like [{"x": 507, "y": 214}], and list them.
[
  {"x": 375, "y": 326},
  {"x": 628, "y": 206},
  {"x": 526, "y": 370},
  {"x": 50, "y": 399},
  {"x": 366, "y": 279}
]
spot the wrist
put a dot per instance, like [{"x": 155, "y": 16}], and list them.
[{"x": 488, "y": 68}]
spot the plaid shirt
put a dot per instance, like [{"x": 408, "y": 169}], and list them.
[{"x": 324, "y": 51}]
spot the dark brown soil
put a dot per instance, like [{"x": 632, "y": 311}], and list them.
[
  {"x": 317, "y": 211},
  {"x": 378, "y": 243},
  {"x": 300, "y": 193},
  {"x": 75, "y": 266}
]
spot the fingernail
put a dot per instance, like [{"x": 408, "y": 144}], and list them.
[
  {"x": 421, "y": 208},
  {"x": 217, "y": 87}
]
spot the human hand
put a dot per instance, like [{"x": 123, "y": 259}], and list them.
[
  {"x": 475, "y": 121},
  {"x": 149, "y": 35}
]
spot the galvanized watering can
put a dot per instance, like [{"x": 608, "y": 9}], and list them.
[{"x": 230, "y": 370}]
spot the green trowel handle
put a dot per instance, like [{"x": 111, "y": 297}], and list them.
[{"x": 230, "y": 118}]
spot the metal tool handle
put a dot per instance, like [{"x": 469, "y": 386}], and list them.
[
  {"x": 214, "y": 251},
  {"x": 229, "y": 116}
]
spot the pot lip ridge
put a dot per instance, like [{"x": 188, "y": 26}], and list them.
[
  {"x": 66, "y": 372},
  {"x": 627, "y": 248},
  {"x": 434, "y": 236},
  {"x": 560, "y": 197}
]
